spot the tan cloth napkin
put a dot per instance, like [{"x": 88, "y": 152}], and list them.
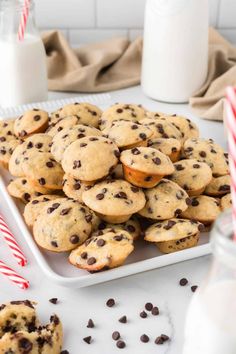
[
  {"x": 116, "y": 63},
  {"x": 208, "y": 102},
  {"x": 105, "y": 66}
]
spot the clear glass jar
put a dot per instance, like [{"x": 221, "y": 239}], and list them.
[
  {"x": 211, "y": 318},
  {"x": 23, "y": 69}
]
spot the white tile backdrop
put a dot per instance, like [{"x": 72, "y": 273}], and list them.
[{"x": 86, "y": 21}]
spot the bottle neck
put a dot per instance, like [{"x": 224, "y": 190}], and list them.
[{"x": 11, "y": 12}]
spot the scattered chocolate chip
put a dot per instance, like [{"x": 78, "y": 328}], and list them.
[
  {"x": 49, "y": 164},
  {"x": 37, "y": 118},
  {"x": 65, "y": 352},
  {"x": 76, "y": 164},
  {"x": 121, "y": 195},
  {"x": 101, "y": 242},
  {"x": 134, "y": 189},
  {"x": 54, "y": 244},
  {"x": 74, "y": 239},
  {"x": 91, "y": 261},
  {"x": 194, "y": 202},
  {"x": 194, "y": 288},
  {"x": 116, "y": 335},
  {"x": 110, "y": 302},
  {"x": 143, "y": 136},
  {"x": 149, "y": 306},
  {"x": 161, "y": 339},
  {"x": 87, "y": 339},
  {"x": 202, "y": 154},
  {"x": 134, "y": 126},
  {"x": 196, "y": 165},
  {"x": 38, "y": 145},
  {"x": 119, "y": 110},
  {"x": 155, "y": 311},
  {"x": 42, "y": 181},
  {"x": 100, "y": 196},
  {"x": 120, "y": 344},
  {"x": 169, "y": 225},
  {"x": 53, "y": 300},
  {"x": 179, "y": 167},
  {"x": 135, "y": 151},
  {"x": 65, "y": 211},
  {"x": 84, "y": 255},
  {"x": 157, "y": 161},
  {"x": 143, "y": 314},
  {"x": 201, "y": 227},
  {"x": 183, "y": 282},
  {"x": 123, "y": 319},
  {"x": 90, "y": 323},
  {"x": 144, "y": 338}
]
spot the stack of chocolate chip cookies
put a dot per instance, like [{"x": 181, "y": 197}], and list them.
[{"x": 91, "y": 180}]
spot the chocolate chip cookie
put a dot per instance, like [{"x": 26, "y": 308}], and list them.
[
  {"x": 74, "y": 188},
  {"x": 226, "y": 202},
  {"x": 62, "y": 123},
  {"x": 6, "y": 150},
  {"x": 187, "y": 127},
  {"x": 162, "y": 128},
  {"x": 218, "y": 186},
  {"x": 132, "y": 226},
  {"x": 170, "y": 147},
  {"x": 165, "y": 201},
  {"x": 31, "y": 122}
]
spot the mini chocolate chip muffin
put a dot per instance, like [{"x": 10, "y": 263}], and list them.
[
  {"x": 121, "y": 111},
  {"x": 114, "y": 200},
  {"x": 193, "y": 176},
  {"x": 86, "y": 113},
  {"x": 21, "y": 188},
  {"x": 38, "y": 142},
  {"x": 62, "y": 123},
  {"x": 127, "y": 134},
  {"x": 74, "y": 188},
  {"x": 187, "y": 127},
  {"x": 132, "y": 226},
  {"x": 162, "y": 128},
  {"x": 34, "y": 207},
  {"x": 170, "y": 147},
  {"x": 62, "y": 225},
  {"x": 226, "y": 202},
  {"x": 203, "y": 209},
  {"x": 165, "y": 201},
  {"x": 209, "y": 152},
  {"x": 43, "y": 170},
  {"x": 102, "y": 252},
  {"x": 43, "y": 339},
  {"x": 17, "y": 316},
  {"x": 6, "y": 150},
  {"x": 145, "y": 166},
  {"x": 90, "y": 158},
  {"x": 31, "y": 122},
  {"x": 7, "y": 130},
  {"x": 218, "y": 186},
  {"x": 174, "y": 234},
  {"x": 67, "y": 136}
]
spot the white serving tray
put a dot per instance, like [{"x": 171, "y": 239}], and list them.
[{"x": 56, "y": 266}]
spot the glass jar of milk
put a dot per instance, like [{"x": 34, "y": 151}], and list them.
[
  {"x": 23, "y": 73},
  {"x": 211, "y": 319},
  {"x": 175, "y": 49}
]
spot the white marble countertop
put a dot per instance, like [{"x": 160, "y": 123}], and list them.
[{"x": 160, "y": 286}]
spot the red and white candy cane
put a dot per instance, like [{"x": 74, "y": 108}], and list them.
[
  {"x": 23, "y": 20},
  {"x": 11, "y": 242},
  {"x": 231, "y": 125},
  {"x": 13, "y": 276}
]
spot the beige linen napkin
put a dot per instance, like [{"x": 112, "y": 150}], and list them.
[
  {"x": 116, "y": 63},
  {"x": 208, "y": 102},
  {"x": 105, "y": 66}
]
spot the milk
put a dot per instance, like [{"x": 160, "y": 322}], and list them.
[
  {"x": 23, "y": 76},
  {"x": 175, "y": 49},
  {"x": 211, "y": 321}
]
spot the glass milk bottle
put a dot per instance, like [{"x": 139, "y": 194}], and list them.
[
  {"x": 175, "y": 49},
  {"x": 23, "y": 73},
  {"x": 211, "y": 318}
]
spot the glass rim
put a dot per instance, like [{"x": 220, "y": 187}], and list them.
[{"x": 224, "y": 234}]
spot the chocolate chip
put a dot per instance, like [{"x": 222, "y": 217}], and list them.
[
  {"x": 196, "y": 165},
  {"x": 188, "y": 201},
  {"x": 119, "y": 110},
  {"x": 149, "y": 306},
  {"x": 26, "y": 345},
  {"x": 155, "y": 311},
  {"x": 134, "y": 126},
  {"x": 2, "y": 307},
  {"x": 157, "y": 161},
  {"x": 116, "y": 335},
  {"x": 87, "y": 339},
  {"x": 23, "y": 133},
  {"x": 26, "y": 197},
  {"x": 110, "y": 302},
  {"x": 90, "y": 323},
  {"x": 93, "y": 139},
  {"x": 80, "y": 136},
  {"x": 91, "y": 261},
  {"x": 143, "y": 314},
  {"x": 194, "y": 202},
  {"x": 42, "y": 181},
  {"x": 37, "y": 118},
  {"x": 117, "y": 153},
  {"x": 121, "y": 195},
  {"x": 202, "y": 154},
  {"x": 53, "y": 300},
  {"x": 49, "y": 164},
  {"x": 135, "y": 151},
  {"x": 65, "y": 211},
  {"x": 84, "y": 255},
  {"x": 118, "y": 238},
  {"x": 178, "y": 212},
  {"x": 194, "y": 288},
  {"x": 54, "y": 244},
  {"x": 83, "y": 144},
  {"x": 169, "y": 224},
  {"x": 65, "y": 352},
  {"x": 143, "y": 136},
  {"x": 161, "y": 339},
  {"x": 179, "y": 167},
  {"x": 38, "y": 145},
  {"x": 134, "y": 189},
  {"x": 130, "y": 228},
  {"x": 174, "y": 149},
  {"x": 120, "y": 344},
  {"x": 201, "y": 227},
  {"x": 76, "y": 164},
  {"x": 144, "y": 338},
  {"x": 148, "y": 178},
  {"x": 224, "y": 188},
  {"x": 100, "y": 196},
  {"x": 123, "y": 319},
  {"x": 74, "y": 239},
  {"x": 101, "y": 242},
  {"x": 183, "y": 282}
]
